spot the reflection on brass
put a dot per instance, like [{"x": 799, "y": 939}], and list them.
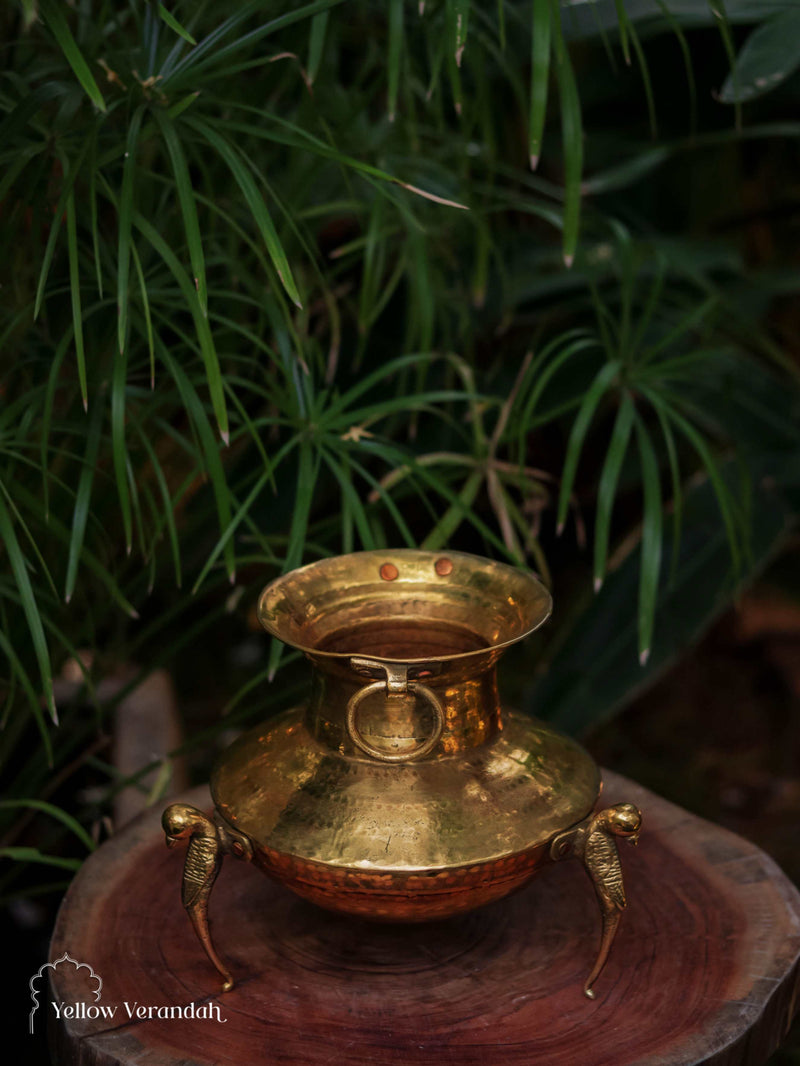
[
  {"x": 403, "y": 790},
  {"x": 207, "y": 844},
  {"x": 593, "y": 842}
]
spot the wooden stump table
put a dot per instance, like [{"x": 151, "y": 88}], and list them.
[{"x": 705, "y": 968}]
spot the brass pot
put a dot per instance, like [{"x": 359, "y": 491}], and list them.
[{"x": 403, "y": 791}]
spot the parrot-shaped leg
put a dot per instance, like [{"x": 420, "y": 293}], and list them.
[
  {"x": 593, "y": 842},
  {"x": 207, "y": 843}
]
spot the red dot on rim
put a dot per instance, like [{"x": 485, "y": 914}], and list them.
[
  {"x": 389, "y": 571},
  {"x": 443, "y": 567}
]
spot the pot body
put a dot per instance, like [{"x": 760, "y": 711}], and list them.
[
  {"x": 403, "y": 790},
  {"x": 405, "y": 842}
]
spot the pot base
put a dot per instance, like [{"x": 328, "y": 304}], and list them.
[{"x": 402, "y": 897}]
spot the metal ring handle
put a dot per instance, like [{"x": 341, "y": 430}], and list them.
[{"x": 427, "y": 746}]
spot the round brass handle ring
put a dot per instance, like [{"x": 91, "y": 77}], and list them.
[{"x": 427, "y": 746}]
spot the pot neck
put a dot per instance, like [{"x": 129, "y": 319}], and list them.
[{"x": 407, "y": 711}]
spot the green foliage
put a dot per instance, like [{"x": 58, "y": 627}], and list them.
[
  {"x": 283, "y": 283},
  {"x": 595, "y": 672}
]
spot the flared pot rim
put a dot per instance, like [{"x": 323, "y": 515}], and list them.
[{"x": 499, "y": 603}]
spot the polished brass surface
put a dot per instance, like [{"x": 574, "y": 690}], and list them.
[
  {"x": 404, "y": 606},
  {"x": 402, "y": 790},
  {"x": 207, "y": 843},
  {"x": 593, "y": 842},
  {"x": 396, "y": 686},
  {"x": 292, "y": 795}
]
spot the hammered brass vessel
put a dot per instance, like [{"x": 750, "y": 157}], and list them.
[{"x": 403, "y": 791}]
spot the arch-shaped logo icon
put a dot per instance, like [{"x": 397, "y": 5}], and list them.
[{"x": 66, "y": 957}]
